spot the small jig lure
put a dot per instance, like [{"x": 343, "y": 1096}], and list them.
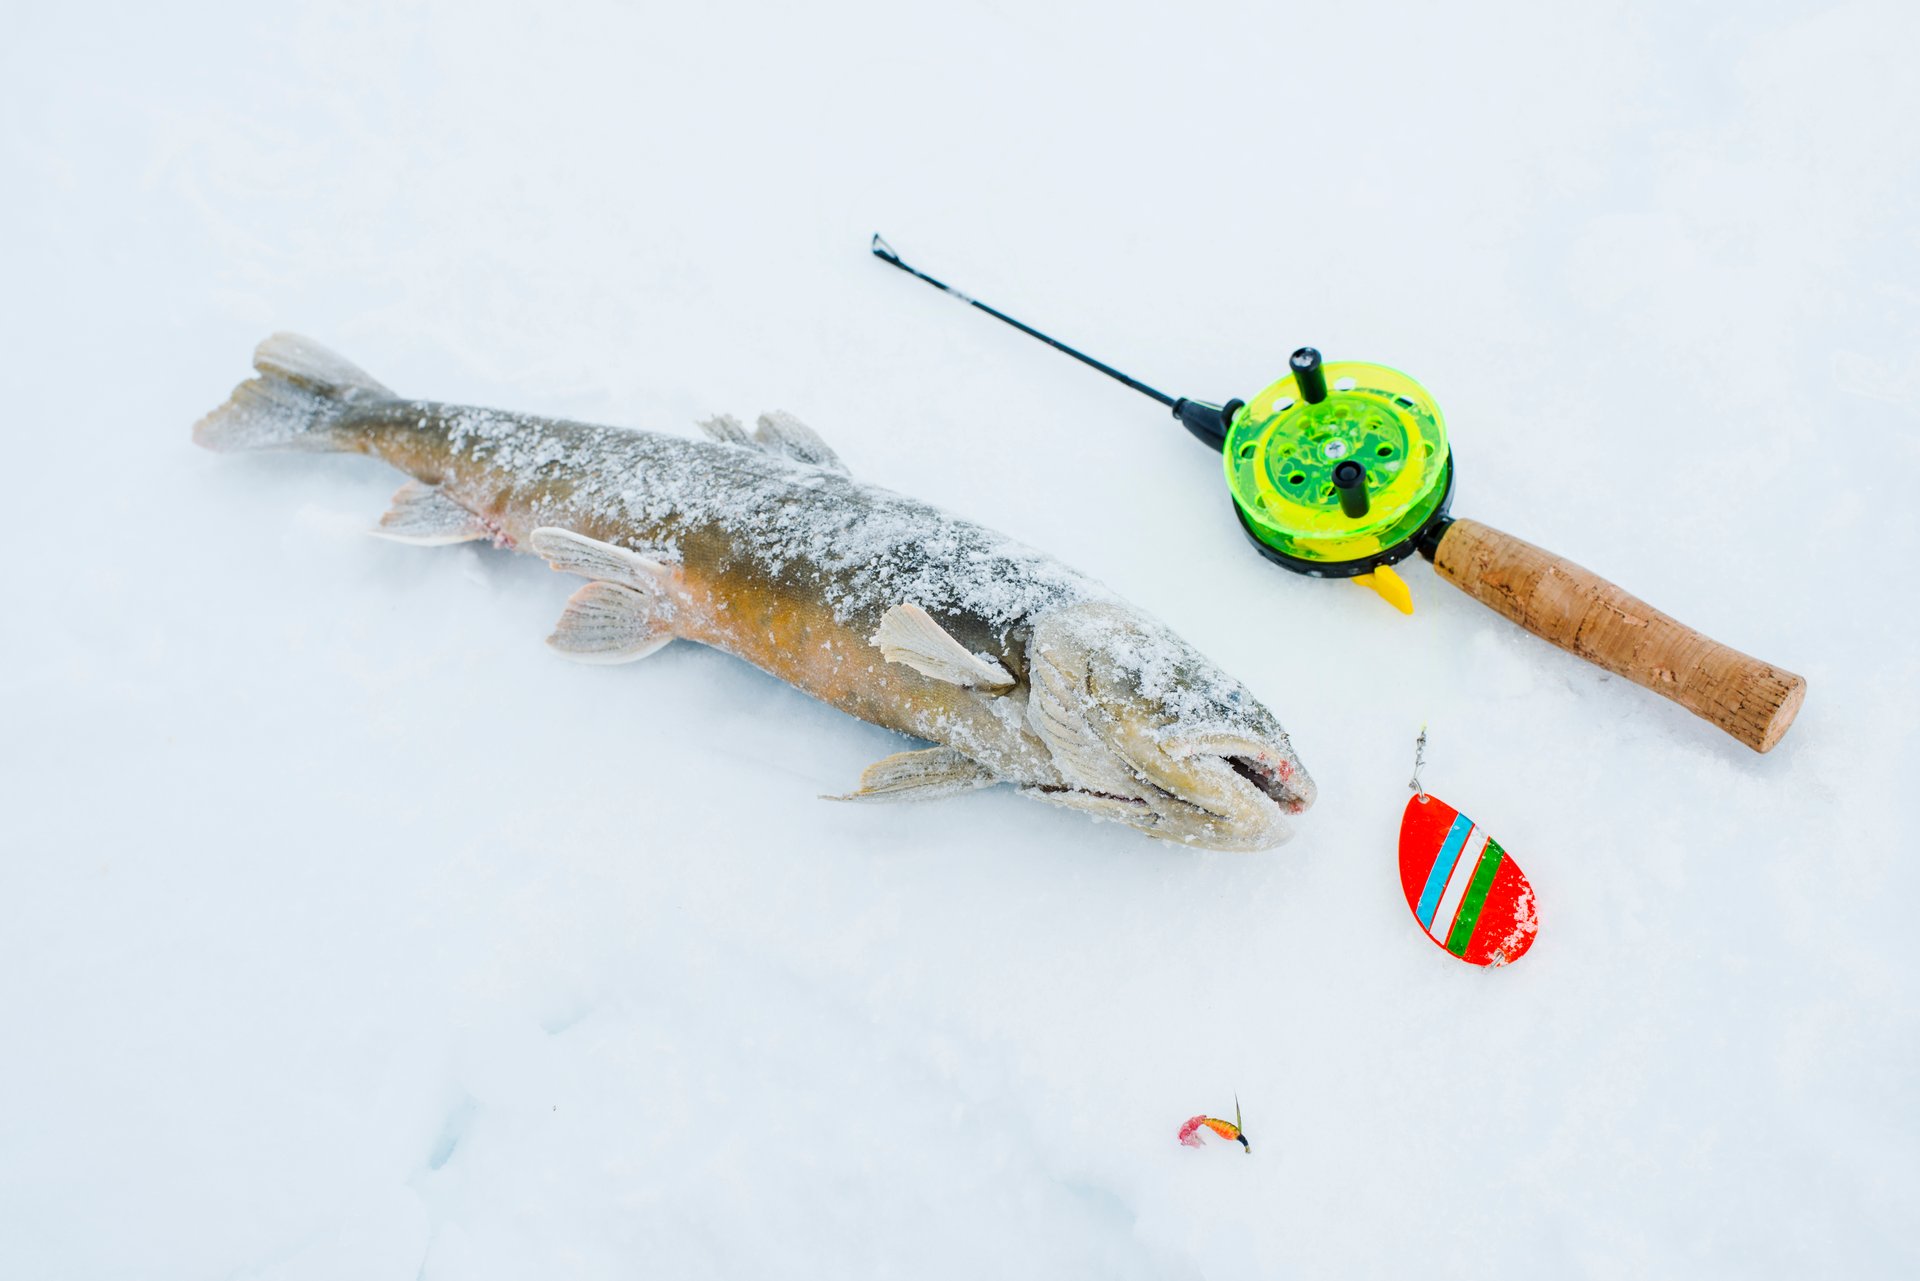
[{"x": 1190, "y": 1132}]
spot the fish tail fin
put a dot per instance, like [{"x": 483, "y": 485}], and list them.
[{"x": 303, "y": 393}]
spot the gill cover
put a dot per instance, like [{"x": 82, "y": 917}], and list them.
[{"x": 1144, "y": 730}]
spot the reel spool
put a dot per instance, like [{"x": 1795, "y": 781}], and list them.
[
  {"x": 1339, "y": 471},
  {"x": 1346, "y": 480}
]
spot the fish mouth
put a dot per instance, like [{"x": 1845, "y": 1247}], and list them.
[
  {"x": 1248, "y": 790},
  {"x": 1236, "y": 796},
  {"x": 1274, "y": 779}
]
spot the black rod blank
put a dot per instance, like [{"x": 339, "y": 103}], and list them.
[{"x": 885, "y": 252}]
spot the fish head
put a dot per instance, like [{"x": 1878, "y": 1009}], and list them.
[{"x": 1145, "y": 730}]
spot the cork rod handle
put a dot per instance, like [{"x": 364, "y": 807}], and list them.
[{"x": 1586, "y": 615}]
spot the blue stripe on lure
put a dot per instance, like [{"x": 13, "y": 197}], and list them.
[{"x": 1442, "y": 868}]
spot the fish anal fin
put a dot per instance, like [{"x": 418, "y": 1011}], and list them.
[
  {"x": 920, "y": 776},
  {"x": 425, "y": 517},
  {"x": 612, "y": 623},
  {"x": 573, "y": 553},
  {"x": 909, "y": 635}
]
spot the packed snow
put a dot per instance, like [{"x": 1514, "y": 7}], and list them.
[{"x": 347, "y": 932}]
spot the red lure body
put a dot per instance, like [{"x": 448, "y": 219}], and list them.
[{"x": 1469, "y": 896}]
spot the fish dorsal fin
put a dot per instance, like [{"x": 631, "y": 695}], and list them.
[
  {"x": 725, "y": 429},
  {"x": 572, "y": 553},
  {"x": 909, "y": 635},
  {"x": 785, "y": 436},
  {"x": 920, "y": 776},
  {"x": 426, "y": 517},
  {"x": 778, "y": 433}
]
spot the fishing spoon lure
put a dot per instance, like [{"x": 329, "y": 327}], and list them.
[
  {"x": 1464, "y": 890},
  {"x": 1343, "y": 469}
]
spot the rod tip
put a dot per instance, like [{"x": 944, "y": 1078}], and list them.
[{"x": 881, "y": 249}]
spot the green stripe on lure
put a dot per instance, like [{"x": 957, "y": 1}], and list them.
[{"x": 1344, "y": 470}]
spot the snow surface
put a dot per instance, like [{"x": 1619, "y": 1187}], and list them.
[{"x": 344, "y": 931}]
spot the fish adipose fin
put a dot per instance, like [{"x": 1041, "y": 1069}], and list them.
[
  {"x": 572, "y": 553},
  {"x": 302, "y": 394},
  {"x": 908, "y": 634},
  {"x": 920, "y": 776},
  {"x": 612, "y": 623},
  {"x": 777, "y": 433},
  {"x": 426, "y": 517}
]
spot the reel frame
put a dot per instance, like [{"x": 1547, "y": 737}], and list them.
[
  {"x": 1320, "y": 478},
  {"x": 1423, "y": 540}
]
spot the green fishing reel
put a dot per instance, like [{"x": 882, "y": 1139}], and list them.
[{"x": 1338, "y": 471}]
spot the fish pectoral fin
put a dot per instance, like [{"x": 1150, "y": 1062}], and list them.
[
  {"x": 920, "y": 776},
  {"x": 612, "y": 623},
  {"x": 573, "y": 553},
  {"x": 909, "y": 635},
  {"x": 424, "y": 516},
  {"x": 779, "y": 432},
  {"x": 725, "y": 429}
]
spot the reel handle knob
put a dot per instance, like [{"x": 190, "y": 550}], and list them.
[
  {"x": 1584, "y": 614},
  {"x": 1350, "y": 478},
  {"x": 1307, "y": 373}
]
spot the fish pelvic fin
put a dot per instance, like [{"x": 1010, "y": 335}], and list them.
[
  {"x": 302, "y": 394},
  {"x": 612, "y": 623},
  {"x": 425, "y": 517},
  {"x": 625, "y": 614},
  {"x": 920, "y": 776},
  {"x": 909, "y": 635}
]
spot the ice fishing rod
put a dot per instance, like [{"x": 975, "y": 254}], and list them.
[
  {"x": 1343, "y": 470},
  {"x": 1209, "y": 422}
]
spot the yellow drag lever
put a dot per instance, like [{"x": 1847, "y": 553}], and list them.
[{"x": 1389, "y": 586}]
